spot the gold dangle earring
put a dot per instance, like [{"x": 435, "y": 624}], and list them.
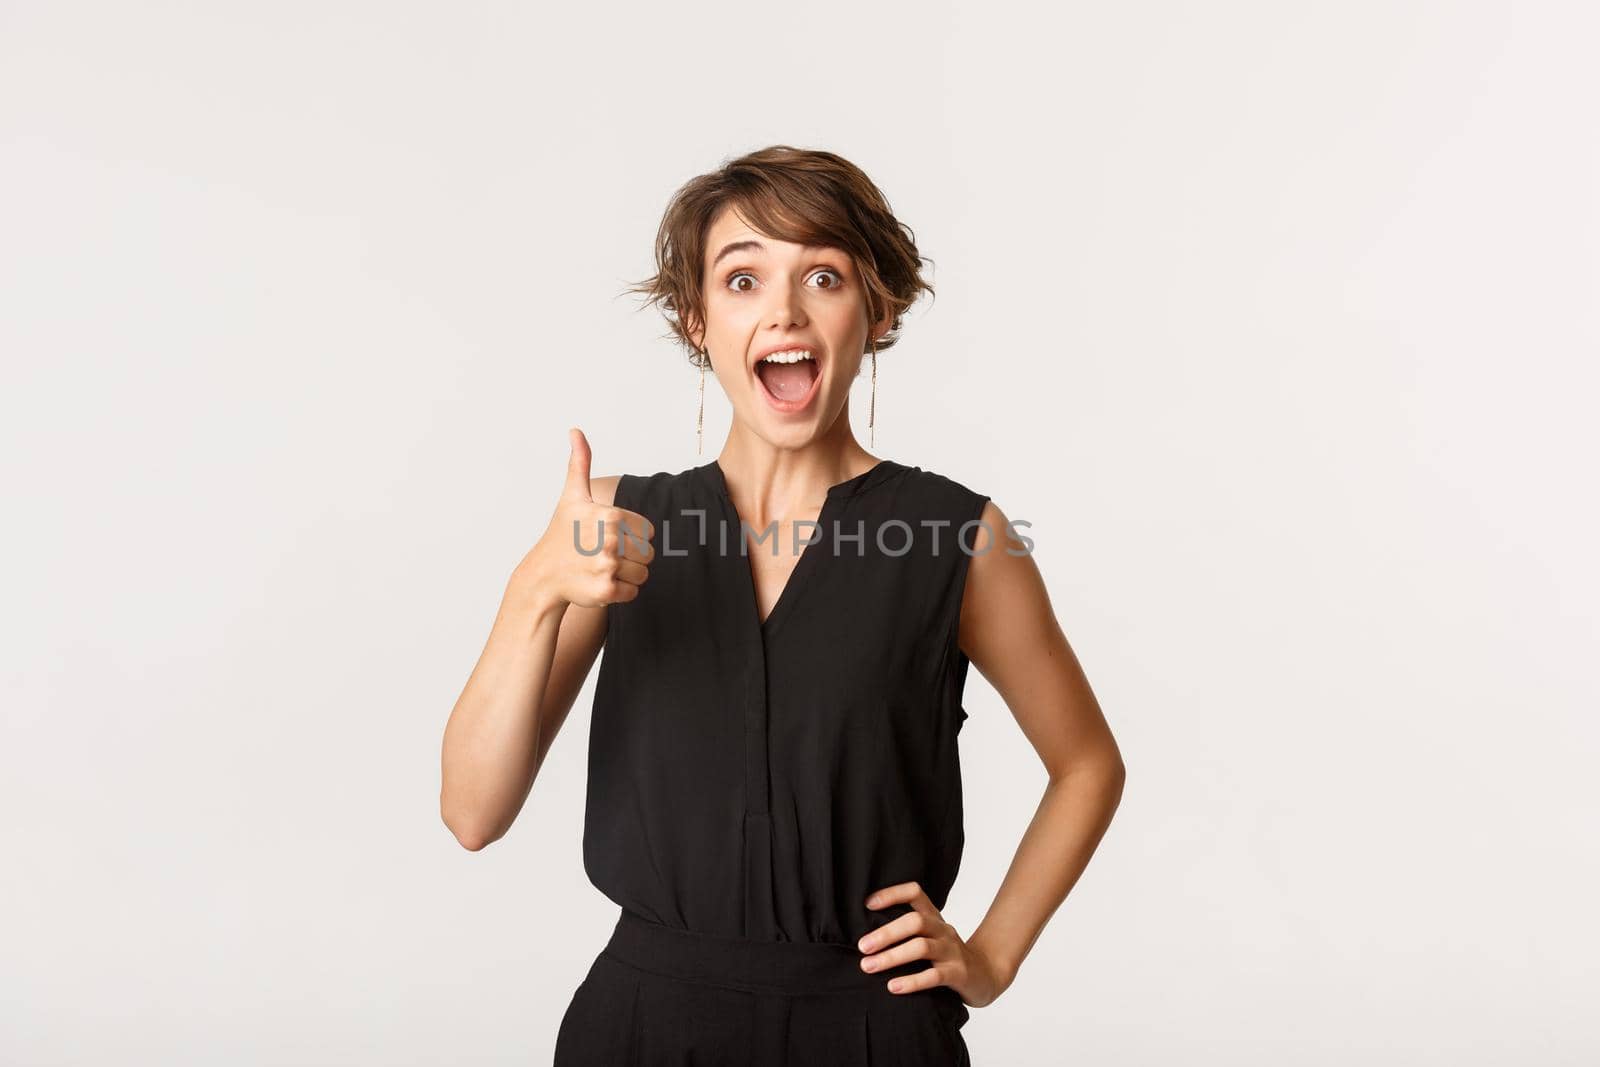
[
  {"x": 700, "y": 419},
  {"x": 872, "y": 403}
]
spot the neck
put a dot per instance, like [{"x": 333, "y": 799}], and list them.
[{"x": 768, "y": 481}]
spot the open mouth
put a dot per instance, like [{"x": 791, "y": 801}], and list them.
[{"x": 788, "y": 378}]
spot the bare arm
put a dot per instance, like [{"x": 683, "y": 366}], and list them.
[
  {"x": 543, "y": 643},
  {"x": 1011, "y": 635}
]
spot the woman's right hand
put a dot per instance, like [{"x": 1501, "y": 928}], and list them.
[{"x": 565, "y": 565}]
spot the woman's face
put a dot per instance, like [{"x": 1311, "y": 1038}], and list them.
[{"x": 764, "y": 295}]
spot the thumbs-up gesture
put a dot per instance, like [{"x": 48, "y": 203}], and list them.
[{"x": 592, "y": 554}]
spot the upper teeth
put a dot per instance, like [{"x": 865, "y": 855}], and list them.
[{"x": 794, "y": 355}]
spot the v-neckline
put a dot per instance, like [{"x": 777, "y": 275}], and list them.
[{"x": 792, "y": 586}]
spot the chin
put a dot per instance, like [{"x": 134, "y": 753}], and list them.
[{"x": 791, "y": 431}]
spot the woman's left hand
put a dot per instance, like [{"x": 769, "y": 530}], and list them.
[{"x": 923, "y": 934}]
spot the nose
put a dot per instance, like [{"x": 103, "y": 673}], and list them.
[{"x": 784, "y": 309}]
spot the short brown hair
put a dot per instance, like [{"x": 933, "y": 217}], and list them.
[{"x": 806, "y": 196}]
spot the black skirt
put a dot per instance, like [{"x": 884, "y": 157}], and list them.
[{"x": 657, "y": 995}]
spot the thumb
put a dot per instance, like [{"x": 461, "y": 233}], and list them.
[{"x": 577, "y": 485}]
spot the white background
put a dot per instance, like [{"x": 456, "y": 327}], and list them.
[{"x": 1278, "y": 322}]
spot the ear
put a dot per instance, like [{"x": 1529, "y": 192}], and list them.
[
  {"x": 882, "y": 326},
  {"x": 694, "y": 331}
]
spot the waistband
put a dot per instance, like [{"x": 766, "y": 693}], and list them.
[{"x": 763, "y": 966}]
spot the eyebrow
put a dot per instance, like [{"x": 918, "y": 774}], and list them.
[{"x": 750, "y": 246}]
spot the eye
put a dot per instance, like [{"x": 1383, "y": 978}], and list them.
[{"x": 838, "y": 279}]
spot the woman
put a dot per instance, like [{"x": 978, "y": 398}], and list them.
[{"x": 774, "y": 793}]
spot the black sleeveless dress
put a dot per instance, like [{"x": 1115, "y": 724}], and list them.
[{"x": 752, "y": 782}]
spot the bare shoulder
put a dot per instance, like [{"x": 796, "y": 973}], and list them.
[
  {"x": 997, "y": 543},
  {"x": 1004, "y": 592},
  {"x": 604, "y": 490}
]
